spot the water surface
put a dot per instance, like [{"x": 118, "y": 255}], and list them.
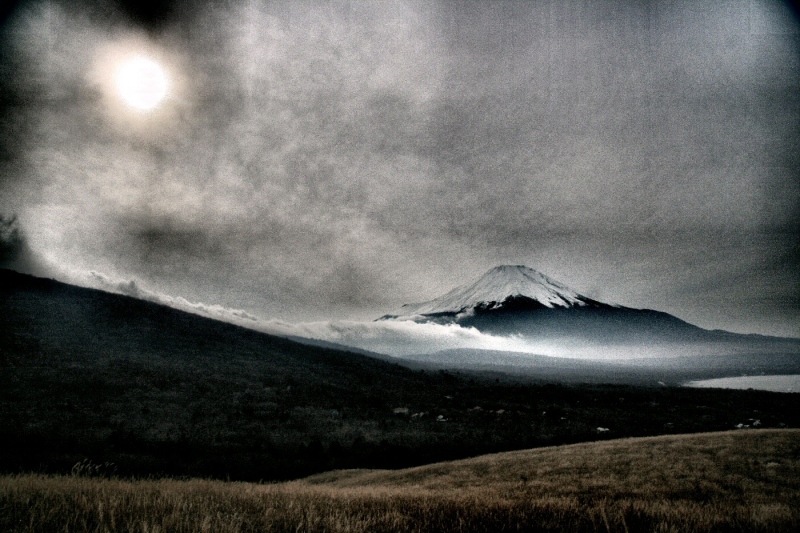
[{"x": 789, "y": 383}]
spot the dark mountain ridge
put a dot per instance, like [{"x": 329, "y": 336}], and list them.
[{"x": 99, "y": 384}]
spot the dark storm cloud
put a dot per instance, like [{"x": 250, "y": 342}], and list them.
[
  {"x": 11, "y": 241},
  {"x": 158, "y": 239},
  {"x": 15, "y": 254},
  {"x": 150, "y": 14},
  {"x": 318, "y": 158}
]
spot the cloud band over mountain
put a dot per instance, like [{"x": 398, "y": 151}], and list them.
[
  {"x": 391, "y": 338},
  {"x": 401, "y": 338}
]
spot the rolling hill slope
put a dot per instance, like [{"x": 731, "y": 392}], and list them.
[
  {"x": 712, "y": 482},
  {"x": 618, "y": 467}
]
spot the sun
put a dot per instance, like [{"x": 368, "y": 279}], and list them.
[{"x": 141, "y": 83}]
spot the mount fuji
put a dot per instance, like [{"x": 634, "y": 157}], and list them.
[
  {"x": 517, "y": 300},
  {"x": 502, "y": 288}
]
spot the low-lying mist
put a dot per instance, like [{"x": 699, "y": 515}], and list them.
[{"x": 406, "y": 338}]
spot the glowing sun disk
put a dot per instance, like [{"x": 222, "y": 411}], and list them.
[{"x": 142, "y": 83}]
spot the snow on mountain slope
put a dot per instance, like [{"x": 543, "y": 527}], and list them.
[{"x": 495, "y": 287}]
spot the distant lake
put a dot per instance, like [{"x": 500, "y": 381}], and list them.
[{"x": 770, "y": 383}]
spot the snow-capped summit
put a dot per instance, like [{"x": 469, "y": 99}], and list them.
[
  {"x": 499, "y": 287},
  {"x": 517, "y": 302}
]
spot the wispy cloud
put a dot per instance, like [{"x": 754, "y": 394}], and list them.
[
  {"x": 133, "y": 289},
  {"x": 387, "y": 337},
  {"x": 398, "y": 337}
]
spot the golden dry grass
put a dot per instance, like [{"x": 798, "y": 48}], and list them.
[{"x": 733, "y": 481}]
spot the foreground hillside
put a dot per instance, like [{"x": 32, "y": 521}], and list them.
[
  {"x": 119, "y": 386},
  {"x": 734, "y": 481}
]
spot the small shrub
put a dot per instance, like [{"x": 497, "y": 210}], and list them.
[{"x": 88, "y": 468}]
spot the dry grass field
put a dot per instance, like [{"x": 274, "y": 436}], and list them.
[{"x": 734, "y": 481}]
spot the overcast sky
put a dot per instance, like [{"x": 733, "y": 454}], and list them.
[{"x": 334, "y": 160}]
